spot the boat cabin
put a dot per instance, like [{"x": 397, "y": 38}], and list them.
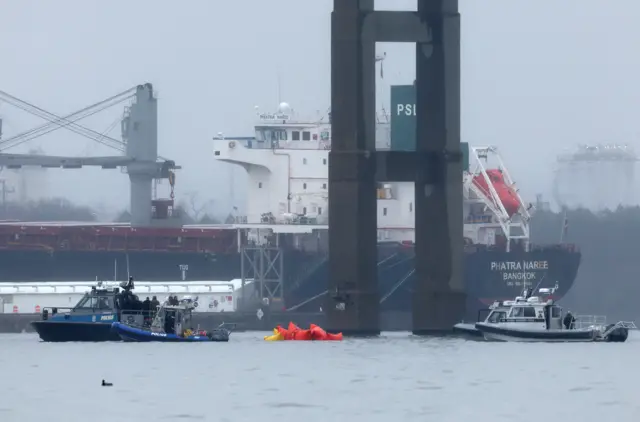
[
  {"x": 174, "y": 319},
  {"x": 527, "y": 310},
  {"x": 103, "y": 303},
  {"x": 99, "y": 298}
]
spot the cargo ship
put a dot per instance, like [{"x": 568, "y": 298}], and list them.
[
  {"x": 287, "y": 167},
  {"x": 281, "y": 243}
]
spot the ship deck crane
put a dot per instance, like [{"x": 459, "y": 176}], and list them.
[{"x": 140, "y": 145}]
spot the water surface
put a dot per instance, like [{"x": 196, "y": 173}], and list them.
[{"x": 394, "y": 378}]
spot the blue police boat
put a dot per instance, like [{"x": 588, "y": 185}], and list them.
[
  {"x": 171, "y": 324},
  {"x": 91, "y": 318}
]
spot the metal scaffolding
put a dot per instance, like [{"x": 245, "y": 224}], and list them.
[{"x": 265, "y": 266}]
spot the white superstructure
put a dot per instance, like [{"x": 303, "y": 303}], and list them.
[{"x": 287, "y": 166}]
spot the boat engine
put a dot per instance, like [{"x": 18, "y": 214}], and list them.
[{"x": 618, "y": 335}]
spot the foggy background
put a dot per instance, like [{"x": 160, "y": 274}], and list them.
[{"x": 538, "y": 79}]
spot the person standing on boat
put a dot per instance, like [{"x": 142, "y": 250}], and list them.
[
  {"x": 154, "y": 305},
  {"x": 569, "y": 321},
  {"x": 146, "y": 310}
]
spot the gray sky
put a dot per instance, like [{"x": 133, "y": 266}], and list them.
[{"x": 536, "y": 78}]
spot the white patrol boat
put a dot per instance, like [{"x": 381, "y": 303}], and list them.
[{"x": 536, "y": 319}]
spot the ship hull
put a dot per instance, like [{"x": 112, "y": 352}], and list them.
[{"x": 489, "y": 275}]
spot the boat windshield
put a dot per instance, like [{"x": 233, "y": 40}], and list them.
[
  {"x": 522, "y": 312},
  {"x": 497, "y": 316},
  {"x": 94, "y": 301}
]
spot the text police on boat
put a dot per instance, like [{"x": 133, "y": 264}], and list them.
[{"x": 531, "y": 318}]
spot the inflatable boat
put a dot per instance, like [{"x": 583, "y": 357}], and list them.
[{"x": 170, "y": 325}]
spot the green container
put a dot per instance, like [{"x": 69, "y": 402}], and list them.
[{"x": 403, "y": 122}]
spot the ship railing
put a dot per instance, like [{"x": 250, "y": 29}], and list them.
[{"x": 586, "y": 321}]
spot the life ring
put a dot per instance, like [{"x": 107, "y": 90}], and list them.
[{"x": 232, "y": 144}]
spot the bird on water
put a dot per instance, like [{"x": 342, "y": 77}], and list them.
[{"x": 106, "y": 384}]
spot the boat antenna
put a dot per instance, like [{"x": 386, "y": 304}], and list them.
[
  {"x": 539, "y": 283},
  {"x": 128, "y": 274},
  {"x": 115, "y": 269}
]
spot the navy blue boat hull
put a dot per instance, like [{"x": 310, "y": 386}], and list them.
[
  {"x": 133, "y": 334},
  {"x": 61, "y": 331}
]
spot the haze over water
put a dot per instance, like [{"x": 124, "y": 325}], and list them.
[{"x": 397, "y": 377}]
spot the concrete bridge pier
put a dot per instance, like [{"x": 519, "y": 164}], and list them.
[
  {"x": 439, "y": 297},
  {"x": 435, "y": 166},
  {"x": 353, "y": 303}
]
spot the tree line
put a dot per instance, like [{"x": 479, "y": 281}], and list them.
[
  {"x": 608, "y": 240},
  {"x": 60, "y": 209}
]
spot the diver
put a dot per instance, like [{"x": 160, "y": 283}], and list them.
[{"x": 569, "y": 321}]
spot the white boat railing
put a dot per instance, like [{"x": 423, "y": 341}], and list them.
[
  {"x": 586, "y": 321},
  {"x": 600, "y": 322},
  {"x": 629, "y": 325}
]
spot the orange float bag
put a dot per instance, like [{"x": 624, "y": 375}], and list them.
[
  {"x": 302, "y": 335},
  {"x": 317, "y": 333},
  {"x": 290, "y": 332},
  {"x": 335, "y": 337}
]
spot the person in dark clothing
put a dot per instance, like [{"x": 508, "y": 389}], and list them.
[
  {"x": 169, "y": 322},
  {"x": 146, "y": 311},
  {"x": 569, "y": 321},
  {"x": 154, "y": 305}
]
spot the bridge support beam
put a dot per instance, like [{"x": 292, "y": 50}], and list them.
[{"x": 435, "y": 167}]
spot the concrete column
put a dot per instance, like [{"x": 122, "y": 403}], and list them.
[
  {"x": 439, "y": 296},
  {"x": 353, "y": 303}
]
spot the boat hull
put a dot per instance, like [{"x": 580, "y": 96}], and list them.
[
  {"x": 133, "y": 334},
  {"x": 467, "y": 330},
  {"x": 495, "y": 332},
  {"x": 59, "y": 331}
]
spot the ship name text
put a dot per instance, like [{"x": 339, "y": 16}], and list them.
[{"x": 517, "y": 272}]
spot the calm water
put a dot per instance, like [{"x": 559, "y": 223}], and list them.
[{"x": 395, "y": 378}]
